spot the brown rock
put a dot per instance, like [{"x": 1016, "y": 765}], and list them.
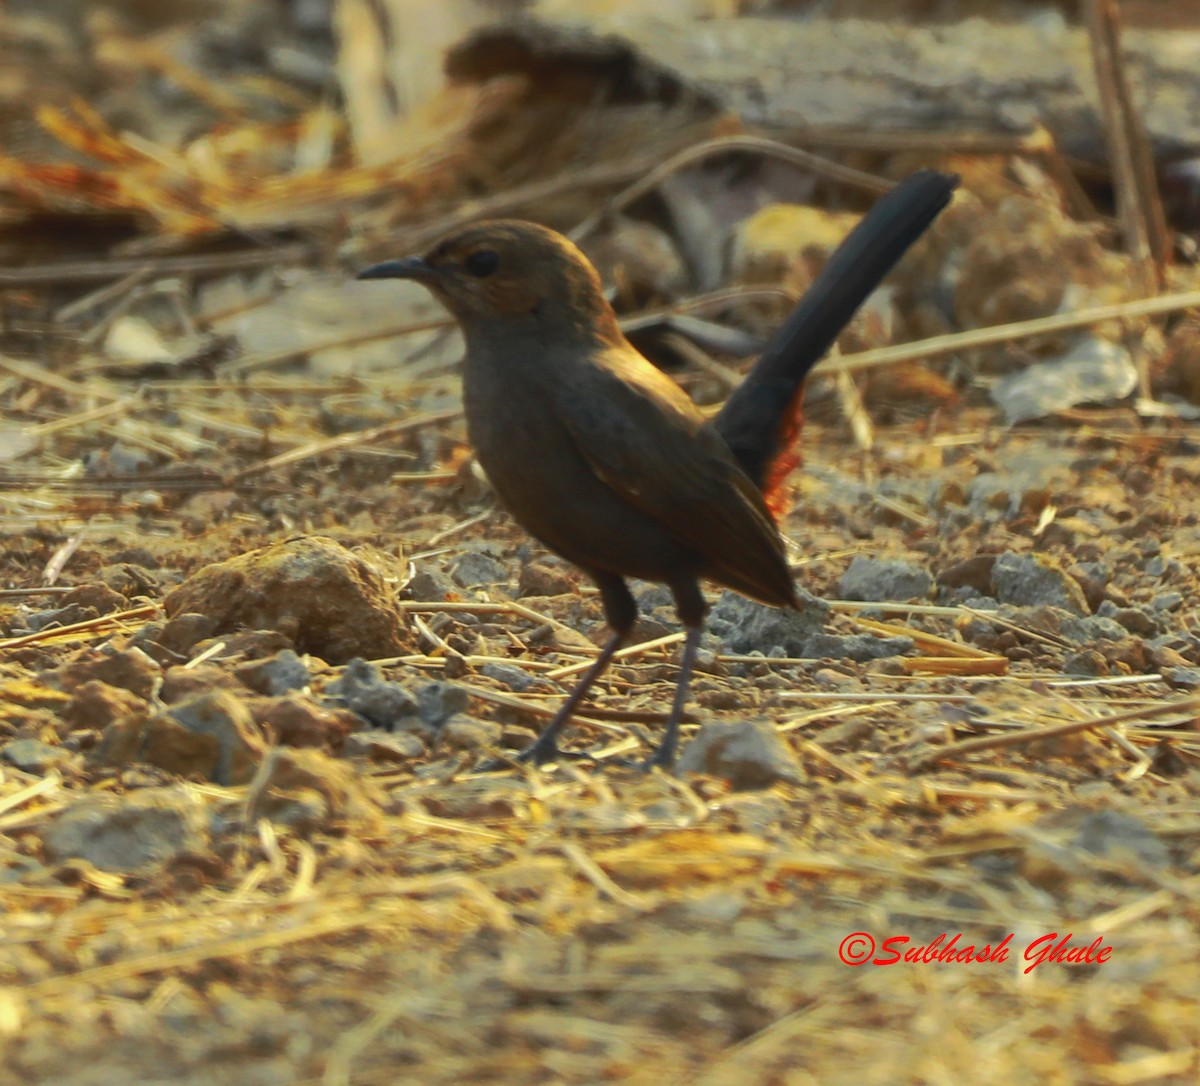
[
  {"x": 129, "y": 579},
  {"x": 462, "y": 732},
  {"x": 545, "y": 579},
  {"x": 209, "y": 737},
  {"x": 974, "y": 572},
  {"x": 184, "y": 631},
  {"x": 1165, "y": 656},
  {"x": 328, "y": 600},
  {"x": 130, "y": 670},
  {"x": 1127, "y": 656},
  {"x": 303, "y": 787},
  {"x": 1002, "y": 276},
  {"x": 120, "y": 743},
  {"x": 245, "y": 644},
  {"x": 164, "y": 742},
  {"x": 748, "y": 754},
  {"x": 27, "y": 693},
  {"x": 295, "y": 721},
  {"x": 96, "y": 597},
  {"x": 181, "y": 683},
  {"x": 97, "y": 705},
  {"x": 384, "y": 746}
]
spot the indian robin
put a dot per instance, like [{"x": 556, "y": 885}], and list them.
[{"x": 607, "y": 460}]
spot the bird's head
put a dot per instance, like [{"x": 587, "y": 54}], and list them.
[{"x": 505, "y": 272}]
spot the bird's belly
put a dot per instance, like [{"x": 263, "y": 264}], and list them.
[{"x": 551, "y": 490}]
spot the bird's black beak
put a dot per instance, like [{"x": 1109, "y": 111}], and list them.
[{"x": 411, "y": 267}]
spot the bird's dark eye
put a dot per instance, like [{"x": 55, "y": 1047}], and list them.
[{"x": 482, "y": 263}]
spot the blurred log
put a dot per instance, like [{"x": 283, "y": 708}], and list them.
[{"x": 868, "y": 76}]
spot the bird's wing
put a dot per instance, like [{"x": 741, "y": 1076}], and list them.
[{"x": 645, "y": 439}]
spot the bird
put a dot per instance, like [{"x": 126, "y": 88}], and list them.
[{"x": 604, "y": 458}]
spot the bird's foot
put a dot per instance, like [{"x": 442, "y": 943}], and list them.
[
  {"x": 661, "y": 759},
  {"x": 537, "y": 753}
]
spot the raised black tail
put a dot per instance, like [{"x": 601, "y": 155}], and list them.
[{"x": 756, "y": 421}]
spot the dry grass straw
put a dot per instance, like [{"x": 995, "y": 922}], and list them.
[
  {"x": 615, "y": 900},
  {"x": 77, "y": 632}
]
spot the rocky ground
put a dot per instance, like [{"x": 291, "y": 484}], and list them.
[{"x": 237, "y": 850}]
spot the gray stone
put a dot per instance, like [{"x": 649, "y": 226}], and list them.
[
  {"x": 1090, "y": 370},
  {"x": 383, "y": 746},
  {"x": 135, "y": 832},
  {"x": 1105, "y": 833},
  {"x": 1028, "y": 580},
  {"x": 17, "y": 868},
  {"x": 748, "y": 754},
  {"x": 1179, "y": 640},
  {"x": 118, "y": 460},
  {"x": 1084, "y": 631},
  {"x": 651, "y": 597},
  {"x": 1134, "y": 619},
  {"x": 34, "y": 756},
  {"x": 430, "y": 585},
  {"x": 178, "y": 636},
  {"x": 278, "y": 674},
  {"x": 473, "y": 568},
  {"x": 55, "y": 616},
  {"x": 210, "y": 737},
  {"x": 884, "y": 579},
  {"x": 438, "y": 702},
  {"x": 745, "y": 625},
  {"x": 1181, "y": 678},
  {"x": 991, "y": 492},
  {"x": 860, "y": 647},
  {"x": 462, "y": 732},
  {"x": 1065, "y": 841},
  {"x": 515, "y": 678},
  {"x": 363, "y": 690}
]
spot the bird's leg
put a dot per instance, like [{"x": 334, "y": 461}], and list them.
[
  {"x": 621, "y": 612},
  {"x": 664, "y": 756},
  {"x": 691, "y": 607},
  {"x": 545, "y": 747}
]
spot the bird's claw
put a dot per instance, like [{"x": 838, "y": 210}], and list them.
[
  {"x": 658, "y": 760},
  {"x": 536, "y": 753}
]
